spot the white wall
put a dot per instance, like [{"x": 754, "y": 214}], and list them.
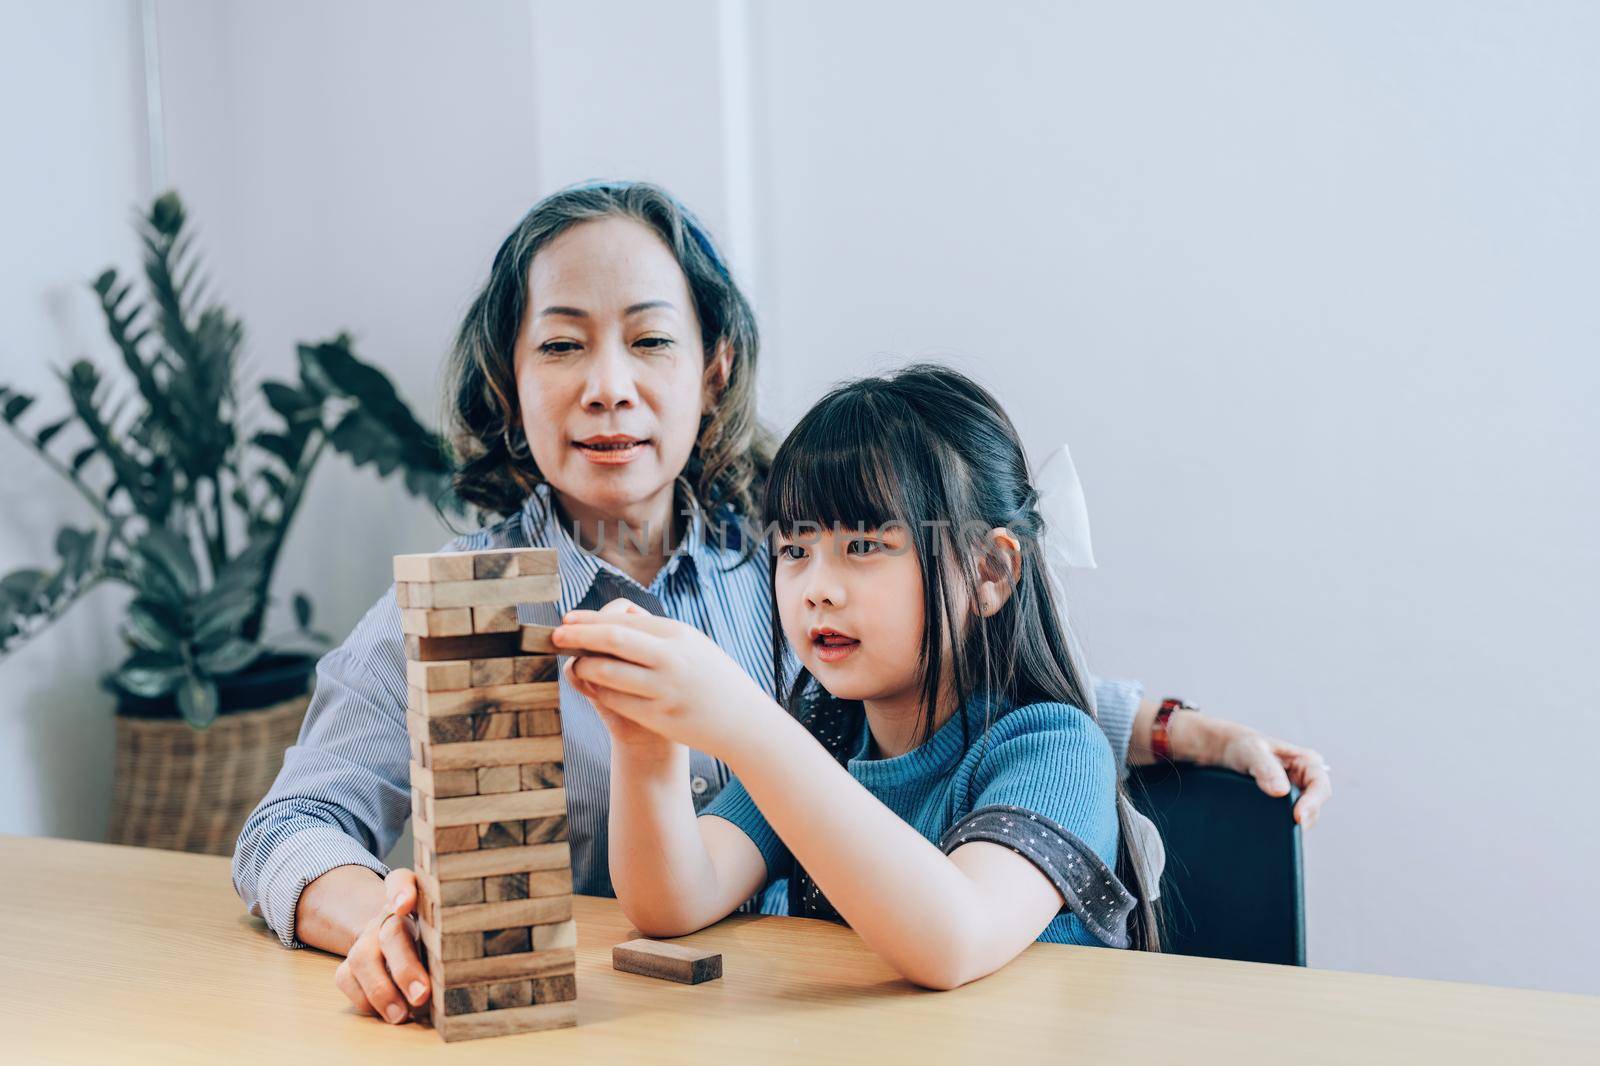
[
  {"x": 71, "y": 119},
  {"x": 1301, "y": 286}
]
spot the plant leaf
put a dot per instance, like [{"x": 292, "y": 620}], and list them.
[
  {"x": 229, "y": 658},
  {"x": 18, "y": 403},
  {"x": 148, "y": 675},
  {"x": 152, "y": 627},
  {"x": 197, "y": 699},
  {"x": 302, "y": 611}
]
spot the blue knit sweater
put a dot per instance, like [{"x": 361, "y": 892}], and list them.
[{"x": 1046, "y": 758}]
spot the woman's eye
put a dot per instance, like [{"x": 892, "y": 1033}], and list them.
[
  {"x": 559, "y": 347},
  {"x": 862, "y": 547},
  {"x": 654, "y": 342}
]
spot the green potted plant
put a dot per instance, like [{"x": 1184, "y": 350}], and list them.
[{"x": 194, "y": 493}]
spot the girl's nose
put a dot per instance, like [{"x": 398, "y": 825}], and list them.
[
  {"x": 824, "y": 588},
  {"x": 610, "y": 383}
]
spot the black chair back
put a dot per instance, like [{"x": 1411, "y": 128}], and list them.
[{"x": 1232, "y": 887}]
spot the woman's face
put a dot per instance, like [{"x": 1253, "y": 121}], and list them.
[{"x": 611, "y": 373}]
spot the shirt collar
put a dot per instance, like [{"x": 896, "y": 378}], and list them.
[{"x": 542, "y": 525}]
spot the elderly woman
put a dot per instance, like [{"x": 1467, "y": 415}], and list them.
[{"x": 604, "y": 379}]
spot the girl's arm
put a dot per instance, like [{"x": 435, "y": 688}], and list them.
[
  {"x": 939, "y": 920},
  {"x": 673, "y": 873}
]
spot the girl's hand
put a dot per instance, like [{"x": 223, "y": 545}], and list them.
[
  {"x": 627, "y": 737},
  {"x": 382, "y": 973},
  {"x": 661, "y": 675}
]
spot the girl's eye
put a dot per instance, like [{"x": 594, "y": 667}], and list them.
[
  {"x": 862, "y": 547},
  {"x": 559, "y": 347},
  {"x": 792, "y": 551}
]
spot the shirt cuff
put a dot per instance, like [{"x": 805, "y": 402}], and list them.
[
  {"x": 294, "y": 864},
  {"x": 1116, "y": 704}
]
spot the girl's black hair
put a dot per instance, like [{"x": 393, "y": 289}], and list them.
[{"x": 930, "y": 450}]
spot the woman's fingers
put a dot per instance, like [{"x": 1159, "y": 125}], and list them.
[
  {"x": 399, "y": 944},
  {"x": 367, "y": 963},
  {"x": 345, "y": 979},
  {"x": 1267, "y": 769},
  {"x": 611, "y": 637},
  {"x": 1315, "y": 782}
]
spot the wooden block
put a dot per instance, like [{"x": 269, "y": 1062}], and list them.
[
  {"x": 454, "y": 729},
  {"x": 535, "y": 640},
  {"x": 507, "y": 806},
  {"x": 493, "y": 779},
  {"x": 553, "y": 936},
  {"x": 467, "y": 999},
  {"x": 455, "y": 893},
  {"x": 443, "y": 949},
  {"x": 531, "y": 668},
  {"x": 446, "y": 783},
  {"x": 509, "y": 914},
  {"x": 444, "y": 674},
  {"x": 544, "y": 775},
  {"x": 540, "y": 695},
  {"x": 513, "y": 562},
  {"x": 494, "y": 620},
  {"x": 538, "y": 723},
  {"x": 505, "y": 886},
  {"x": 445, "y": 841},
  {"x": 510, "y": 994},
  {"x": 452, "y": 622},
  {"x": 500, "y": 834},
  {"x": 420, "y": 754},
  {"x": 563, "y": 988},
  {"x": 521, "y": 965},
  {"x": 504, "y": 592},
  {"x": 670, "y": 962},
  {"x": 525, "y": 859},
  {"x": 500, "y": 943},
  {"x": 461, "y": 946},
  {"x": 507, "y": 1022},
  {"x": 487, "y": 673},
  {"x": 496, "y": 726},
  {"x": 478, "y": 753},
  {"x": 476, "y": 646},
  {"x": 402, "y": 594},
  {"x": 545, "y": 830},
  {"x": 434, "y": 566}
]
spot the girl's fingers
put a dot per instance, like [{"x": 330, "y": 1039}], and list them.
[
  {"x": 367, "y": 963},
  {"x": 615, "y": 675},
  {"x": 609, "y": 638},
  {"x": 624, "y": 613},
  {"x": 638, "y": 710}
]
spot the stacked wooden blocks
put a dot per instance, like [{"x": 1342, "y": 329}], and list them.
[{"x": 488, "y": 796}]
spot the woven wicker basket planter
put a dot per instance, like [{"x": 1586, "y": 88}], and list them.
[{"x": 187, "y": 789}]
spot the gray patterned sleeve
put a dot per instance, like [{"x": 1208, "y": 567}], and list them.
[{"x": 1090, "y": 888}]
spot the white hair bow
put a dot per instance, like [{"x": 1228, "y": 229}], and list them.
[{"x": 1066, "y": 515}]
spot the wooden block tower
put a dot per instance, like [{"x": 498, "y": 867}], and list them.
[{"x": 488, "y": 796}]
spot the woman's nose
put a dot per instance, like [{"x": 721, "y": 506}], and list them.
[{"x": 610, "y": 383}]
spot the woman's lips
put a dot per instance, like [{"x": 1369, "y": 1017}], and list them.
[{"x": 611, "y": 451}]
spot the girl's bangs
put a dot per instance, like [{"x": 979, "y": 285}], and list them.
[{"x": 839, "y": 468}]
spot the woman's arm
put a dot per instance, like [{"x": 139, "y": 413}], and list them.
[{"x": 1211, "y": 741}]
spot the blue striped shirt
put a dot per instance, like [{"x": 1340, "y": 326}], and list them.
[{"x": 343, "y": 795}]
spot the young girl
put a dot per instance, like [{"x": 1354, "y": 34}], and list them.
[{"x": 933, "y": 781}]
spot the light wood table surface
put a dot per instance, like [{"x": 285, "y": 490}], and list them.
[{"x": 127, "y": 955}]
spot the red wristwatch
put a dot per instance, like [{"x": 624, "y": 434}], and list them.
[{"x": 1160, "y": 744}]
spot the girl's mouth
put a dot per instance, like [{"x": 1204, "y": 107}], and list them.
[
  {"x": 611, "y": 450},
  {"x": 831, "y": 646}
]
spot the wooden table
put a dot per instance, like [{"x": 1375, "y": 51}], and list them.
[{"x": 122, "y": 955}]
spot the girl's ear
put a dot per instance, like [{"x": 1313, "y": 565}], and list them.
[
  {"x": 718, "y": 368},
  {"x": 999, "y": 568}
]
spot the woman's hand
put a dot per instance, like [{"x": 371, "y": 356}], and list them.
[
  {"x": 664, "y": 677},
  {"x": 1211, "y": 741},
  {"x": 384, "y": 958}
]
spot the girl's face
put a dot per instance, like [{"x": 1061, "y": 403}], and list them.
[
  {"x": 851, "y": 606},
  {"x": 611, "y": 372}
]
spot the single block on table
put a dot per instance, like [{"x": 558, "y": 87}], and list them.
[{"x": 670, "y": 962}]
